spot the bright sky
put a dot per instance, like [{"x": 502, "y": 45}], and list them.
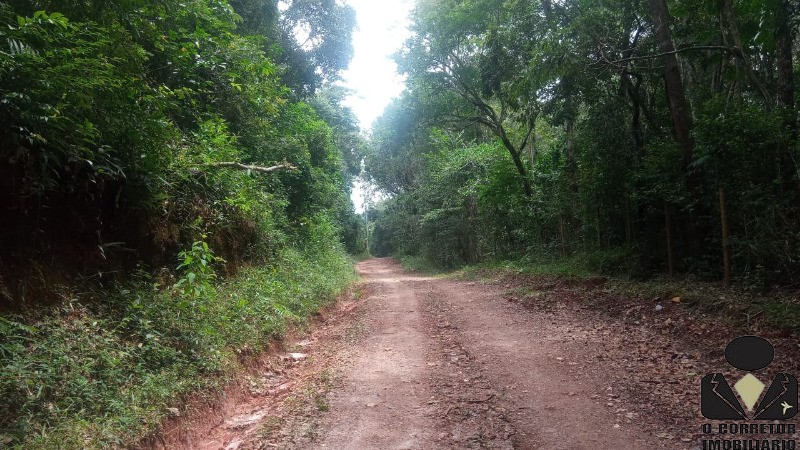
[
  {"x": 381, "y": 31},
  {"x": 372, "y": 75}
]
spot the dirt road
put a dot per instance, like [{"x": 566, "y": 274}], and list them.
[
  {"x": 449, "y": 364},
  {"x": 431, "y": 363}
]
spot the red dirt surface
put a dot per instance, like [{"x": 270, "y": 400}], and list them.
[{"x": 428, "y": 363}]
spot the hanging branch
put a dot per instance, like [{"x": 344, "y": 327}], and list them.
[
  {"x": 732, "y": 51},
  {"x": 240, "y": 166}
]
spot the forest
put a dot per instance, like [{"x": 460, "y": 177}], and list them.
[
  {"x": 176, "y": 176},
  {"x": 175, "y": 191},
  {"x": 633, "y": 137}
]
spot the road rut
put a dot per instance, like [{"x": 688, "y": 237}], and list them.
[{"x": 447, "y": 364}]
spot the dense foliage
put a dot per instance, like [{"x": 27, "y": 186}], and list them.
[
  {"x": 658, "y": 136},
  {"x": 115, "y": 119},
  {"x": 105, "y": 375},
  {"x": 204, "y": 137}
]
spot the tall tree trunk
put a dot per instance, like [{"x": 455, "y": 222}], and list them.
[
  {"x": 783, "y": 53},
  {"x": 681, "y": 119},
  {"x": 676, "y": 97}
]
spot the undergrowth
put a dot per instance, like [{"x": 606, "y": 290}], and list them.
[
  {"x": 742, "y": 305},
  {"x": 89, "y": 376},
  {"x": 576, "y": 265},
  {"x": 419, "y": 264}
]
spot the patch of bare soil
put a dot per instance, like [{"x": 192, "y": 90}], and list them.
[
  {"x": 546, "y": 379},
  {"x": 655, "y": 349},
  {"x": 386, "y": 402},
  {"x": 453, "y": 365}
]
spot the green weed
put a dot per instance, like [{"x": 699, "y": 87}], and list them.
[
  {"x": 105, "y": 377},
  {"x": 419, "y": 264}
]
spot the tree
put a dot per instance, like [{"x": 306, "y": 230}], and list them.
[
  {"x": 580, "y": 96},
  {"x": 457, "y": 56},
  {"x": 134, "y": 116}
]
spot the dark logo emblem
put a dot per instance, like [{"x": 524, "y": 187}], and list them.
[{"x": 749, "y": 353}]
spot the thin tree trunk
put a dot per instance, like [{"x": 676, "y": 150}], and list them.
[
  {"x": 783, "y": 53},
  {"x": 726, "y": 253},
  {"x": 670, "y": 252},
  {"x": 515, "y": 156},
  {"x": 673, "y": 83}
]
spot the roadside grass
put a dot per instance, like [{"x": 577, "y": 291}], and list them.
[
  {"x": 363, "y": 256},
  {"x": 777, "y": 310},
  {"x": 742, "y": 305},
  {"x": 573, "y": 266},
  {"x": 87, "y": 376},
  {"x": 421, "y": 265}
]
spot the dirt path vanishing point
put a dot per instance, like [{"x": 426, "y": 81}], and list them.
[
  {"x": 448, "y": 364},
  {"x": 444, "y": 364}
]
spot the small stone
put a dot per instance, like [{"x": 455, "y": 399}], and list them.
[{"x": 298, "y": 356}]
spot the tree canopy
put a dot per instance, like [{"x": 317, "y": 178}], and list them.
[
  {"x": 662, "y": 135},
  {"x": 131, "y": 128}
]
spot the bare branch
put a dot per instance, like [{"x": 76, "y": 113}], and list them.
[
  {"x": 240, "y": 166},
  {"x": 732, "y": 51}
]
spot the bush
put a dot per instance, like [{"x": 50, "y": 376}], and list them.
[{"x": 96, "y": 377}]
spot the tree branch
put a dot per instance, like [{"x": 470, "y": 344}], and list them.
[
  {"x": 240, "y": 166},
  {"x": 530, "y": 125},
  {"x": 732, "y": 51}
]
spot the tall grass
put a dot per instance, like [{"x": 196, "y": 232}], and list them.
[{"x": 103, "y": 372}]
